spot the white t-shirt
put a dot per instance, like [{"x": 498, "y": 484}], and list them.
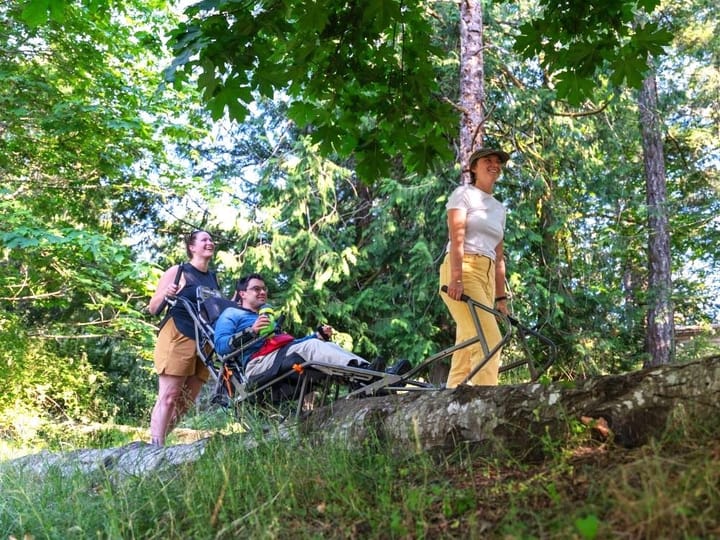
[{"x": 485, "y": 219}]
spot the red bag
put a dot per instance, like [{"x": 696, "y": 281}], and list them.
[{"x": 273, "y": 343}]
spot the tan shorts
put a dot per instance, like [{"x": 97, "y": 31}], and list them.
[{"x": 175, "y": 354}]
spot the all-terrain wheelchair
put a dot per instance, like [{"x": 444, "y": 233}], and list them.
[
  {"x": 292, "y": 380},
  {"x": 307, "y": 384},
  {"x": 535, "y": 354}
]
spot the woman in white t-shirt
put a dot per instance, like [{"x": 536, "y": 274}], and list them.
[{"x": 474, "y": 265}]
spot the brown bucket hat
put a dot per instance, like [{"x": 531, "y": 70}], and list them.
[{"x": 482, "y": 152}]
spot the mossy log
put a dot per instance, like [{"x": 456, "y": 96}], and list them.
[{"x": 521, "y": 420}]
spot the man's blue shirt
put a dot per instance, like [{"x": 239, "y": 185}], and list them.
[
  {"x": 234, "y": 320},
  {"x": 230, "y": 322}
]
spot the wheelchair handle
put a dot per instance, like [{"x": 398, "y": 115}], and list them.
[{"x": 465, "y": 298}]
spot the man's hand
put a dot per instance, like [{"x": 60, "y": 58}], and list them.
[{"x": 261, "y": 324}]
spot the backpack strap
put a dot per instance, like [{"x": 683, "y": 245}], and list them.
[
  {"x": 164, "y": 303},
  {"x": 180, "y": 269}
]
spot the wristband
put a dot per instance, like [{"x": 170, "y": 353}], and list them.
[{"x": 500, "y": 298}]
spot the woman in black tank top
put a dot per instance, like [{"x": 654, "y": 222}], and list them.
[{"x": 181, "y": 372}]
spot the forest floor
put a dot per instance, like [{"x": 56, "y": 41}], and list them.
[{"x": 586, "y": 487}]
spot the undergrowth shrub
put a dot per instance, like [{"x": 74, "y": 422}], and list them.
[{"x": 39, "y": 386}]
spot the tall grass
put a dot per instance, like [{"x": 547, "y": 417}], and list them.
[
  {"x": 277, "y": 489},
  {"x": 297, "y": 489}
]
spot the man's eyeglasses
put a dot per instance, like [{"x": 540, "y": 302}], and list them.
[{"x": 257, "y": 289}]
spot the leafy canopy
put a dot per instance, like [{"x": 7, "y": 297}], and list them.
[
  {"x": 360, "y": 75},
  {"x": 85, "y": 129},
  {"x": 576, "y": 40}
]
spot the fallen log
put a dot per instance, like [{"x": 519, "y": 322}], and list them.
[{"x": 518, "y": 419}]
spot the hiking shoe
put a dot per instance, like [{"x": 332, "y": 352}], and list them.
[
  {"x": 400, "y": 367},
  {"x": 378, "y": 364},
  {"x": 362, "y": 364}
]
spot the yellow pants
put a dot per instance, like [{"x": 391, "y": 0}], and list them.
[{"x": 478, "y": 274}]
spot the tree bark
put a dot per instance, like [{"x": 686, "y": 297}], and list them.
[
  {"x": 524, "y": 420},
  {"x": 659, "y": 342},
  {"x": 472, "y": 80}
]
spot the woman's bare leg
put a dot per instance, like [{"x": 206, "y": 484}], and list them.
[
  {"x": 170, "y": 392},
  {"x": 190, "y": 391}
]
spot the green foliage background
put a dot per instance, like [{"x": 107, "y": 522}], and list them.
[{"x": 341, "y": 204}]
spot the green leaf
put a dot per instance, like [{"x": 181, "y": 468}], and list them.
[
  {"x": 57, "y": 10},
  {"x": 652, "y": 39},
  {"x": 207, "y": 79},
  {"x": 36, "y": 12},
  {"x": 648, "y": 5},
  {"x": 18, "y": 239},
  {"x": 574, "y": 88},
  {"x": 371, "y": 162},
  {"x": 301, "y": 112},
  {"x": 528, "y": 42},
  {"x": 631, "y": 70},
  {"x": 588, "y": 526}
]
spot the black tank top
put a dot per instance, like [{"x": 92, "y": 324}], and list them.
[{"x": 194, "y": 278}]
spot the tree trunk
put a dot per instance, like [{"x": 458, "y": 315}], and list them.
[
  {"x": 522, "y": 420},
  {"x": 472, "y": 80},
  {"x": 660, "y": 326}
]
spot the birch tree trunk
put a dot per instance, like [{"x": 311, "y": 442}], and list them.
[
  {"x": 472, "y": 80},
  {"x": 660, "y": 326}
]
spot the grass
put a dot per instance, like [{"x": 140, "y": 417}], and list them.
[{"x": 583, "y": 489}]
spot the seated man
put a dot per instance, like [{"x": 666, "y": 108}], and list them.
[{"x": 272, "y": 352}]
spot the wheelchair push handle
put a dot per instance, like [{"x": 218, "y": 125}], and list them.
[
  {"x": 170, "y": 299},
  {"x": 465, "y": 298}
]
